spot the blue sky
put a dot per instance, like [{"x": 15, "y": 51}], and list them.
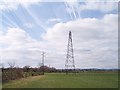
[
  {"x": 44, "y": 26},
  {"x": 43, "y": 12}
]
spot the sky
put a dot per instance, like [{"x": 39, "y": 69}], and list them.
[{"x": 28, "y": 28}]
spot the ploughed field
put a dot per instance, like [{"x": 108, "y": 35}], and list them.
[{"x": 99, "y": 79}]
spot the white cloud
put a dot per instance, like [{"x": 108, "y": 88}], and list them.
[
  {"x": 56, "y": 20},
  {"x": 1, "y": 32},
  {"x": 29, "y": 25},
  {"x": 15, "y": 36},
  {"x": 74, "y": 8},
  {"x": 94, "y": 40},
  {"x": 13, "y": 4},
  {"x": 104, "y": 7},
  {"x": 16, "y": 45}
]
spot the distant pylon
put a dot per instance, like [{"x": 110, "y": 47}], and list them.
[
  {"x": 70, "y": 63},
  {"x": 43, "y": 55}
]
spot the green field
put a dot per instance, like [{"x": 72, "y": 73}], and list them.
[{"x": 61, "y": 80}]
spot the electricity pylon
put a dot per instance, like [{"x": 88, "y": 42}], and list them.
[
  {"x": 70, "y": 63},
  {"x": 43, "y": 62}
]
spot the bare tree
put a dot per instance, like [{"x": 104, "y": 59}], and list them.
[{"x": 11, "y": 65}]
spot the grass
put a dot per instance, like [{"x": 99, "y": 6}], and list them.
[{"x": 61, "y": 80}]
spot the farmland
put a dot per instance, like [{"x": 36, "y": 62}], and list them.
[{"x": 105, "y": 79}]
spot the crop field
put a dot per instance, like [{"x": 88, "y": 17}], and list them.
[{"x": 61, "y": 80}]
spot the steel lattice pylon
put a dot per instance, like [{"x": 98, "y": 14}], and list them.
[{"x": 70, "y": 63}]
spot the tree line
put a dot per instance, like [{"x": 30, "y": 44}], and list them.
[{"x": 12, "y": 72}]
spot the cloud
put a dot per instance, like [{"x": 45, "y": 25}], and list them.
[
  {"x": 29, "y": 25},
  {"x": 94, "y": 41},
  {"x": 16, "y": 45},
  {"x": 15, "y": 36},
  {"x": 74, "y": 7},
  {"x": 56, "y": 20},
  {"x": 13, "y": 4},
  {"x": 1, "y": 32},
  {"x": 104, "y": 6},
  {"x": 95, "y": 44}
]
